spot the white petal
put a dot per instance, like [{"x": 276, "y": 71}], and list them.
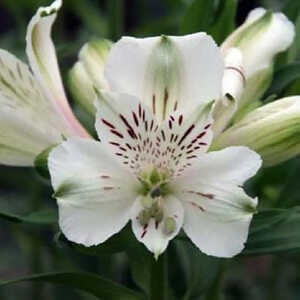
[
  {"x": 127, "y": 128},
  {"x": 94, "y": 199},
  {"x": 215, "y": 237},
  {"x": 233, "y": 165},
  {"x": 81, "y": 170},
  {"x": 166, "y": 72},
  {"x": 94, "y": 224},
  {"x": 217, "y": 217},
  {"x": 153, "y": 235},
  {"x": 42, "y": 59},
  {"x": 29, "y": 122},
  {"x": 217, "y": 210}
]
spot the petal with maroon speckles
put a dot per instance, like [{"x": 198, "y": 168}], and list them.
[{"x": 93, "y": 197}]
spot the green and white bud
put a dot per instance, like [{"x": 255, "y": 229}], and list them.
[
  {"x": 88, "y": 72},
  {"x": 93, "y": 57},
  {"x": 272, "y": 130},
  {"x": 81, "y": 87},
  {"x": 233, "y": 85},
  {"x": 263, "y": 35}
]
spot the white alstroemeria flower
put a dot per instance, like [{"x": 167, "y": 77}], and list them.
[
  {"x": 151, "y": 166},
  {"x": 34, "y": 111}
]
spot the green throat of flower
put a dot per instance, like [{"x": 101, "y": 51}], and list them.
[{"x": 154, "y": 187}]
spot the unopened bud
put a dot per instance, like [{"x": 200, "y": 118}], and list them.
[
  {"x": 255, "y": 40},
  {"x": 272, "y": 130}
]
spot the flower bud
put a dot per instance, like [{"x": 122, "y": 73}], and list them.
[
  {"x": 272, "y": 130},
  {"x": 81, "y": 87},
  {"x": 93, "y": 56},
  {"x": 263, "y": 35},
  {"x": 232, "y": 88},
  {"x": 89, "y": 72}
]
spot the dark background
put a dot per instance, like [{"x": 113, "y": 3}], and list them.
[{"x": 31, "y": 249}]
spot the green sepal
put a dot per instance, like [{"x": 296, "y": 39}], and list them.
[{"x": 41, "y": 162}]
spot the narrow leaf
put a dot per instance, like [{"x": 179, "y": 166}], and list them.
[
  {"x": 100, "y": 287},
  {"x": 274, "y": 231},
  {"x": 224, "y": 23},
  {"x": 293, "y": 52},
  {"x": 284, "y": 77},
  {"x": 197, "y": 17},
  {"x": 291, "y": 9},
  {"x": 47, "y": 216}
]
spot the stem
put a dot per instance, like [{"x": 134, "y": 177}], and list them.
[{"x": 159, "y": 278}]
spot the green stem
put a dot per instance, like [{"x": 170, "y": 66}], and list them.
[{"x": 159, "y": 278}]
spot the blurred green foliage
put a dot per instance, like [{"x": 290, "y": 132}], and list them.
[{"x": 31, "y": 249}]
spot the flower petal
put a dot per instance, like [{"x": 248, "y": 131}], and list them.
[
  {"x": 94, "y": 199},
  {"x": 81, "y": 170},
  {"x": 217, "y": 211},
  {"x": 94, "y": 224},
  {"x": 166, "y": 72},
  {"x": 42, "y": 58},
  {"x": 154, "y": 235},
  {"x": 213, "y": 235},
  {"x": 29, "y": 122},
  {"x": 233, "y": 165},
  {"x": 130, "y": 132}
]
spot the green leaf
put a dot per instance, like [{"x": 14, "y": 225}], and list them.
[
  {"x": 47, "y": 216},
  {"x": 291, "y": 9},
  {"x": 293, "y": 52},
  {"x": 198, "y": 17},
  {"x": 224, "y": 23},
  {"x": 100, "y": 287},
  {"x": 140, "y": 259},
  {"x": 284, "y": 77},
  {"x": 274, "y": 231}
]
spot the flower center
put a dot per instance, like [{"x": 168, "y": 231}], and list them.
[
  {"x": 154, "y": 183},
  {"x": 154, "y": 187}
]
